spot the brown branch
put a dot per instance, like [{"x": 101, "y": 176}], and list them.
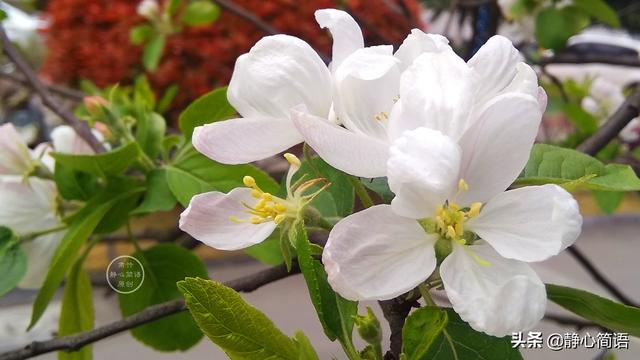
[
  {"x": 571, "y": 321},
  {"x": 568, "y": 58},
  {"x": 396, "y": 311},
  {"x": 625, "y": 113},
  {"x": 64, "y": 91},
  {"x": 75, "y": 342},
  {"x": 80, "y": 127}
]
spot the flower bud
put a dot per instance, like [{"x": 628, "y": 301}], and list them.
[
  {"x": 94, "y": 103},
  {"x": 368, "y": 327},
  {"x": 148, "y": 9}
]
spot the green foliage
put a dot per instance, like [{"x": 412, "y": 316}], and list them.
[
  {"x": 572, "y": 169},
  {"x": 208, "y": 108},
  {"x": 140, "y": 34},
  {"x": 3, "y": 15},
  {"x": 420, "y": 330},
  {"x": 581, "y": 119},
  {"x": 614, "y": 316},
  {"x": 193, "y": 173},
  {"x": 268, "y": 251},
  {"x": 152, "y": 52},
  {"x": 13, "y": 261},
  {"x": 335, "y": 313},
  {"x": 158, "y": 196},
  {"x": 114, "y": 162},
  {"x": 337, "y": 199},
  {"x": 305, "y": 350},
  {"x": 555, "y": 26},
  {"x": 76, "y": 314},
  {"x": 200, "y": 12},
  {"x": 164, "y": 265},
  {"x": 599, "y": 10},
  {"x": 380, "y": 186},
  {"x": 73, "y": 184},
  {"x": 459, "y": 341},
  {"x": 241, "y": 330},
  {"x": 150, "y": 129},
  {"x": 608, "y": 201}
]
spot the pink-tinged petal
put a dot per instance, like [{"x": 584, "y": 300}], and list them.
[
  {"x": 422, "y": 171},
  {"x": 208, "y": 219},
  {"x": 436, "y": 92},
  {"x": 244, "y": 140},
  {"x": 39, "y": 252},
  {"x": 418, "y": 43},
  {"x": 353, "y": 153},
  {"x": 28, "y": 205},
  {"x": 366, "y": 87},
  {"x": 65, "y": 140},
  {"x": 494, "y": 67},
  {"x": 496, "y": 148},
  {"x": 280, "y": 72},
  {"x": 377, "y": 255},
  {"x": 347, "y": 36},
  {"x": 497, "y": 298},
  {"x": 532, "y": 223},
  {"x": 15, "y": 157}
]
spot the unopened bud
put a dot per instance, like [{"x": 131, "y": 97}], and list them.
[
  {"x": 148, "y": 9},
  {"x": 94, "y": 103},
  {"x": 368, "y": 327}
]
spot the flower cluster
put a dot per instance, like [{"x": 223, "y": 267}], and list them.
[
  {"x": 89, "y": 39},
  {"x": 450, "y": 136}
]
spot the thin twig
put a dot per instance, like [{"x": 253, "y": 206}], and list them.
[
  {"x": 247, "y": 15},
  {"x": 66, "y": 92},
  {"x": 75, "y": 342},
  {"x": 568, "y": 58},
  {"x": 571, "y": 321},
  {"x": 395, "y": 311},
  {"x": 80, "y": 127}
]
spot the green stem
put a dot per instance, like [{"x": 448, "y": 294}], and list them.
[
  {"x": 36, "y": 234},
  {"x": 132, "y": 238},
  {"x": 424, "y": 291},
  {"x": 361, "y": 191},
  {"x": 377, "y": 349},
  {"x": 345, "y": 340}
]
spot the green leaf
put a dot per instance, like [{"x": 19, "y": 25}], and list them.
[
  {"x": 167, "y": 98},
  {"x": 140, "y": 34},
  {"x": 76, "y": 314},
  {"x": 114, "y": 162},
  {"x": 13, "y": 261},
  {"x": 305, "y": 350},
  {"x": 3, "y": 15},
  {"x": 81, "y": 226},
  {"x": 164, "y": 265},
  {"x": 583, "y": 121},
  {"x": 268, "y": 251},
  {"x": 158, "y": 196},
  {"x": 612, "y": 315},
  {"x": 200, "y": 13},
  {"x": 555, "y": 165},
  {"x": 208, "y": 108},
  {"x": 150, "y": 129},
  {"x": 241, "y": 330},
  {"x": 335, "y": 200},
  {"x": 459, "y": 341},
  {"x": 152, "y": 52},
  {"x": 74, "y": 185},
  {"x": 555, "y": 26},
  {"x": 380, "y": 186},
  {"x": 608, "y": 201},
  {"x": 335, "y": 313},
  {"x": 194, "y": 173},
  {"x": 599, "y": 10},
  {"x": 420, "y": 330}
]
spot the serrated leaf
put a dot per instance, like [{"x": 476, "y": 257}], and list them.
[
  {"x": 200, "y": 12},
  {"x": 305, "y": 350},
  {"x": 334, "y": 312},
  {"x": 158, "y": 196},
  {"x": 241, "y": 330},
  {"x": 13, "y": 261},
  {"x": 152, "y": 52},
  {"x": 208, "y": 108},
  {"x": 111, "y": 163},
  {"x": 602, "y": 311},
  {"x": 555, "y": 165},
  {"x": 599, "y": 10},
  {"x": 76, "y": 314},
  {"x": 459, "y": 341},
  {"x": 164, "y": 265},
  {"x": 420, "y": 330}
]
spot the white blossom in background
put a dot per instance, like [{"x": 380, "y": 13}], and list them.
[
  {"x": 15, "y": 157},
  {"x": 246, "y": 215},
  {"x": 463, "y": 133},
  {"x": 369, "y": 93},
  {"x": 148, "y": 9}
]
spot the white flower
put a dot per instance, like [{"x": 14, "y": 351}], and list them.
[
  {"x": 246, "y": 215},
  {"x": 29, "y": 206},
  {"x": 148, "y": 9},
  {"x": 15, "y": 156},
  {"x": 461, "y": 142},
  {"x": 372, "y": 84}
]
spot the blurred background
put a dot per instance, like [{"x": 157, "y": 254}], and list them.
[{"x": 588, "y": 63}]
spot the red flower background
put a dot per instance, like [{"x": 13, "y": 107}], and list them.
[{"x": 90, "y": 39}]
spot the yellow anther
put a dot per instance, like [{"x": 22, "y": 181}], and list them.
[
  {"x": 292, "y": 159},
  {"x": 451, "y": 232},
  {"x": 474, "y": 210},
  {"x": 462, "y": 185},
  {"x": 279, "y": 218},
  {"x": 280, "y": 208},
  {"x": 256, "y": 220},
  {"x": 459, "y": 228},
  {"x": 439, "y": 210},
  {"x": 249, "y": 181},
  {"x": 256, "y": 193},
  {"x": 440, "y": 222},
  {"x": 267, "y": 197}
]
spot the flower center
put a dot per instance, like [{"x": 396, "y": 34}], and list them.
[{"x": 268, "y": 207}]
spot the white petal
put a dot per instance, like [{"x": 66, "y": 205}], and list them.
[
  {"x": 494, "y": 67},
  {"x": 504, "y": 297},
  {"x": 39, "y": 253},
  {"x": 353, "y": 153},
  {"x": 435, "y": 92},
  {"x": 496, "y": 148},
  {"x": 28, "y": 205},
  {"x": 367, "y": 84},
  {"x": 280, "y": 72},
  {"x": 423, "y": 171},
  {"x": 244, "y": 140},
  {"x": 377, "y": 255},
  {"x": 417, "y": 43},
  {"x": 65, "y": 140},
  {"x": 525, "y": 81},
  {"x": 347, "y": 36},
  {"x": 15, "y": 158},
  {"x": 207, "y": 218},
  {"x": 532, "y": 223}
]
